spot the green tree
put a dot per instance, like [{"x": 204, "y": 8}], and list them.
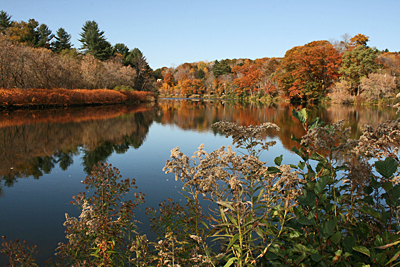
[
  {"x": 144, "y": 80},
  {"x": 94, "y": 42},
  {"x": 121, "y": 49},
  {"x": 358, "y": 63},
  {"x": 62, "y": 41},
  {"x": 5, "y": 21},
  {"x": 220, "y": 68},
  {"x": 44, "y": 36}
]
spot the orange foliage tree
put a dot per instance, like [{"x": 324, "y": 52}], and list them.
[
  {"x": 189, "y": 87},
  {"x": 359, "y": 39},
  {"x": 306, "y": 72},
  {"x": 248, "y": 81}
]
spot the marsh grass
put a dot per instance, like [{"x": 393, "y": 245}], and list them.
[{"x": 12, "y": 98}]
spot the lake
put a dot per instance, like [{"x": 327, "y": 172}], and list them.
[{"x": 45, "y": 154}]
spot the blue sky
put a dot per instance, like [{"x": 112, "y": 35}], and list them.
[{"x": 170, "y": 33}]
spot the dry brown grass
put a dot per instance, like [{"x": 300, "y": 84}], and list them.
[{"x": 67, "y": 97}]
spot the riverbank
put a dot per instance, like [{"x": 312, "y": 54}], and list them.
[
  {"x": 38, "y": 98},
  {"x": 355, "y": 101}
]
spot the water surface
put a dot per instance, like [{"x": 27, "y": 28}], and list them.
[{"x": 46, "y": 154}]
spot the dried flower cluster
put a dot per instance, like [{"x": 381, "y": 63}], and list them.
[
  {"x": 334, "y": 139},
  {"x": 246, "y": 137},
  {"x": 384, "y": 141}
]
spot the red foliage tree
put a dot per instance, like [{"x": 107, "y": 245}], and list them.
[{"x": 306, "y": 72}]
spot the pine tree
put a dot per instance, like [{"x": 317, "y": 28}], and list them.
[
  {"x": 44, "y": 36},
  {"x": 144, "y": 78},
  {"x": 94, "y": 42},
  {"x": 5, "y": 21},
  {"x": 62, "y": 41}
]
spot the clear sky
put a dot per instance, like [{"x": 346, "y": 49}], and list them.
[{"x": 172, "y": 32}]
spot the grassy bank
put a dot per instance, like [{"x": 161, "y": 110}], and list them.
[{"x": 19, "y": 98}]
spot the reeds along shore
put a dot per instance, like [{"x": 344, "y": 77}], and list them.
[{"x": 15, "y": 98}]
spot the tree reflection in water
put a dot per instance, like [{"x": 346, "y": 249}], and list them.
[{"x": 34, "y": 142}]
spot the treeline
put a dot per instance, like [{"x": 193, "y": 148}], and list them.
[
  {"x": 31, "y": 56},
  {"x": 345, "y": 71}
]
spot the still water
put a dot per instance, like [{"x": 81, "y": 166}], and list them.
[{"x": 45, "y": 154}]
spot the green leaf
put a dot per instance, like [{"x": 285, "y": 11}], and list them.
[
  {"x": 368, "y": 200},
  {"x": 305, "y": 221},
  {"x": 389, "y": 245},
  {"x": 294, "y": 234},
  {"x": 310, "y": 186},
  {"x": 362, "y": 250},
  {"x": 320, "y": 185},
  {"x": 225, "y": 204},
  {"x": 394, "y": 258},
  {"x": 293, "y": 166},
  {"x": 278, "y": 160},
  {"x": 300, "y": 259},
  {"x": 374, "y": 213},
  {"x": 230, "y": 261},
  {"x": 348, "y": 243},
  {"x": 233, "y": 240},
  {"x": 335, "y": 238},
  {"x": 316, "y": 257},
  {"x": 375, "y": 184},
  {"x": 368, "y": 190},
  {"x": 328, "y": 227},
  {"x": 387, "y": 186},
  {"x": 316, "y": 156},
  {"x": 301, "y": 115},
  {"x": 316, "y": 123},
  {"x": 301, "y": 165},
  {"x": 272, "y": 170},
  {"x": 387, "y": 167},
  {"x": 379, "y": 241},
  {"x": 303, "y": 249},
  {"x": 307, "y": 199}
]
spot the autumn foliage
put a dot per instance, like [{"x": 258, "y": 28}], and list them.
[
  {"x": 311, "y": 72},
  {"x": 68, "y": 97},
  {"x": 306, "y": 72},
  {"x": 26, "y": 67}
]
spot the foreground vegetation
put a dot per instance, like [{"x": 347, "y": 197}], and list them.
[{"x": 339, "y": 206}]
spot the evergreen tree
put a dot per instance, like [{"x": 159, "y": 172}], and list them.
[
  {"x": 121, "y": 49},
  {"x": 144, "y": 80},
  {"x": 220, "y": 68},
  {"x": 62, "y": 41},
  {"x": 94, "y": 42},
  {"x": 5, "y": 21},
  {"x": 358, "y": 63},
  {"x": 44, "y": 36}
]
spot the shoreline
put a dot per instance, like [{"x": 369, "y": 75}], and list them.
[{"x": 12, "y": 99}]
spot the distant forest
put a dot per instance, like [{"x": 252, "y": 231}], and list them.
[{"x": 345, "y": 71}]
